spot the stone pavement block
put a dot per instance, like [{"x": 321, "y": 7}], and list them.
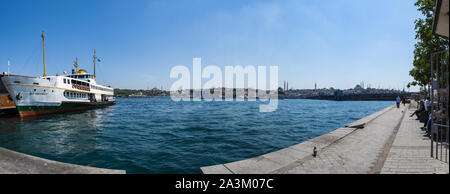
[
  {"x": 286, "y": 156},
  {"x": 259, "y": 165},
  {"x": 217, "y": 169}
]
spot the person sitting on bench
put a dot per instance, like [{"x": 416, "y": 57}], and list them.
[{"x": 419, "y": 110}]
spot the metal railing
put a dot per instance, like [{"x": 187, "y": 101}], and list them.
[
  {"x": 439, "y": 137},
  {"x": 439, "y": 97}
]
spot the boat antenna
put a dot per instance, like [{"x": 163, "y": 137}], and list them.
[
  {"x": 8, "y": 66},
  {"x": 76, "y": 65},
  {"x": 43, "y": 46}
]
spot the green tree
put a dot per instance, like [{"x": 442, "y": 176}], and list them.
[{"x": 426, "y": 45}]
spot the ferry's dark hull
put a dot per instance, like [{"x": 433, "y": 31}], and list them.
[{"x": 28, "y": 111}]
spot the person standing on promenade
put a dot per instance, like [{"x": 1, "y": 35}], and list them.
[
  {"x": 427, "y": 104},
  {"x": 398, "y": 101}
]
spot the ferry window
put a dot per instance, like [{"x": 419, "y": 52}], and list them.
[{"x": 64, "y": 80}]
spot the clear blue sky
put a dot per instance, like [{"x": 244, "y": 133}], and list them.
[{"x": 336, "y": 43}]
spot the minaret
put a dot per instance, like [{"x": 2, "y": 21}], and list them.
[
  {"x": 287, "y": 86},
  {"x": 284, "y": 86},
  {"x": 315, "y": 86}
]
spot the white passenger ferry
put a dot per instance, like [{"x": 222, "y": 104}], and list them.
[{"x": 57, "y": 94}]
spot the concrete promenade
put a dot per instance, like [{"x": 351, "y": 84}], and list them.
[
  {"x": 410, "y": 152},
  {"x": 363, "y": 147},
  {"x": 17, "y": 163}
]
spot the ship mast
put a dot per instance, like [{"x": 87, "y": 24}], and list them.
[
  {"x": 95, "y": 59},
  {"x": 43, "y": 46}
]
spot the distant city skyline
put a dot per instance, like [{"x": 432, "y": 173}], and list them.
[{"x": 334, "y": 43}]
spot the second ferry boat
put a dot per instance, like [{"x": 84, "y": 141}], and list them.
[
  {"x": 7, "y": 106},
  {"x": 57, "y": 94}
]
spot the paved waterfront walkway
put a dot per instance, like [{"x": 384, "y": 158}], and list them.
[
  {"x": 17, "y": 163},
  {"x": 360, "y": 152},
  {"x": 410, "y": 152},
  {"x": 344, "y": 151},
  {"x": 389, "y": 142}
]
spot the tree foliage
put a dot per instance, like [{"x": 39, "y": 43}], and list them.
[{"x": 426, "y": 45}]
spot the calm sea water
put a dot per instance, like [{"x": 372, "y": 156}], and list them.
[{"x": 157, "y": 135}]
